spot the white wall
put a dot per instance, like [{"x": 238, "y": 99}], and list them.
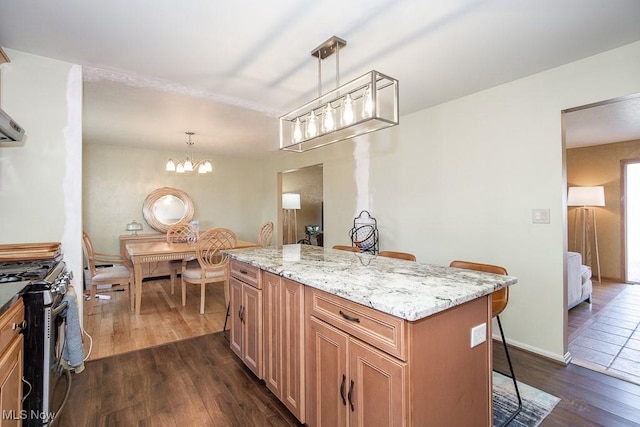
[
  {"x": 40, "y": 178},
  {"x": 117, "y": 180},
  {"x": 459, "y": 181}
]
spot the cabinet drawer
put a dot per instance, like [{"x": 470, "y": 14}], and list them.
[
  {"x": 246, "y": 273},
  {"x": 13, "y": 316},
  {"x": 381, "y": 330}
]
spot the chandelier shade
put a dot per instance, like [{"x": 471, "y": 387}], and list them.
[
  {"x": 189, "y": 164},
  {"x": 363, "y": 105}
]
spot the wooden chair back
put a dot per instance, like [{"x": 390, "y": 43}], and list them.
[
  {"x": 400, "y": 255},
  {"x": 181, "y": 232},
  {"x": 209, "y": 245},
  {"x": 265, "y": 234},
  {"x": 87, "y": 249},
  {"x": 500, "y": 298},
  {"x": 346, "y": 248}
]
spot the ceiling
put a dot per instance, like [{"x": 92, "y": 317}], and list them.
[{"x": 227, "y": 70}]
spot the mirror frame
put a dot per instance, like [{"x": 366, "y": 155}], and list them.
[{"x": 154, "y": 196}]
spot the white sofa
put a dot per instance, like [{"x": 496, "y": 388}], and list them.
[{"x": 578, "y": 280}]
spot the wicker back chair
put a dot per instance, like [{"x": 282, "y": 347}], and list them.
[
  {"x": 180, "y": 232},
  {"x": 213, "y": 264},
  {"x": 265, "y": 234}
]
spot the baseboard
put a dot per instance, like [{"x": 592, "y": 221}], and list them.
[{"x": 557, "y": 358}]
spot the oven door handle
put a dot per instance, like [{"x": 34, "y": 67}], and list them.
[{"x": 58, "y": 309}]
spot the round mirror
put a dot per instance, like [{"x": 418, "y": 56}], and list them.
[{"x": 166, "y": 206}]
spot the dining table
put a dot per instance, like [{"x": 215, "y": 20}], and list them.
[{"x": 146, "y": 252}]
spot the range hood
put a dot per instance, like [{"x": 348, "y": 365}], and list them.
[{"x": 9, "y": 129}]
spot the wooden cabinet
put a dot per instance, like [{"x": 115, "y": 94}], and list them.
[
  {"x": 351, "y": 383},
  {"x": 334, "y": 362},
  {"x": 283, "y": 324},
  {"x": 246, "y": 315},
  {"x": 150, "y": 269},
  {"x": 11, "y": 364},
  {"x": 367, "y": 368}
]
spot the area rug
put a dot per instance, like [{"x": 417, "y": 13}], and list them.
[{"x": 536, "y": 404}]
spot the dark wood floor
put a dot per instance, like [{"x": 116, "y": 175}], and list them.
[
  {"x": 194, "y": 382},
  {"x": 200, "y": 382}
]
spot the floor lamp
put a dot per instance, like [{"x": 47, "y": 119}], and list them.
[
  {"x": 585, "y": 199},
  {"x": 290, "y": 204}
]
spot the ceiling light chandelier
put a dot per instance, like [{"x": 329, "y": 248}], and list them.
[
  {"x": 365, "y": 104},
  {"x": 203, "y": 166}
]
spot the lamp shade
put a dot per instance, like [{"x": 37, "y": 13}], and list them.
[
  {"x": 586, "y": 196},
  {"x": 290, "y": 201}
]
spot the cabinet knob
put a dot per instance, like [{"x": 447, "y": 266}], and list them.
[{"x": 21, "y": 325}]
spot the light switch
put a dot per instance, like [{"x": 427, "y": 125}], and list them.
[{"x": 541, "y": 216}]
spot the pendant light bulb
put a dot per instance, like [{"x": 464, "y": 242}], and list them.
[
  {"x": 312, "y": 125},
  {"x": 171, "y": 166},
  {"x": 180, "y": 168},
  {"x": 188, "y": 165},
  {"x": 347, "y": 111},
  {"x": 297, "y": 130},
  {"x": 328, "y": 119},
  {"x": 367, "y": 103}
]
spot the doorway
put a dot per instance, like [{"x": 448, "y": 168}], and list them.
[
  {"x": 599, "y": 140},
  {"x": 631, "y": 203},
  {"x": 306, "y": 185}
]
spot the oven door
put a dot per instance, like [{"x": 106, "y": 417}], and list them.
[{"x": 48, "y": 382}]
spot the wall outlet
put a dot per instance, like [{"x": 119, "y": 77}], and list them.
[{"x": 478, "y": 334}]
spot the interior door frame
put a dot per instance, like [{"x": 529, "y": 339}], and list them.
[{"x": 623, "y": 213}]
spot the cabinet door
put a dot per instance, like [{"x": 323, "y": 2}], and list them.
[
  {"x": 11, "y": 367},
  {"x": 292, "y": 350},
  {"x": 235, "y": 314},
  {"x": 378, "y": 389},
  {"x": 327, "y": 376},
  {"x": 271, "y": 297},
  {"x": 252, "y": 333}
]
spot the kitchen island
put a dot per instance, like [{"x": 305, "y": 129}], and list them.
[{"x": 352, "y": 339}]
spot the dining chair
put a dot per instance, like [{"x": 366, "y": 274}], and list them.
[
  {"x": 265, "y": 234},
  {"x": 346, "y": 248},
  {"x": 118, "y": 271},
  {"x": 499, "y": 301},
  {"x": 213, "y": 265},
  {"x": 180, "y": 232},
  {"x": 400, "y": 255}
]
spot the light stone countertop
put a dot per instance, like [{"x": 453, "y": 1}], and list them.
[{"x": 406, "y": 289}]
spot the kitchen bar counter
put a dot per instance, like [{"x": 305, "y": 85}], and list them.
[{"x": 406, "y": 289}]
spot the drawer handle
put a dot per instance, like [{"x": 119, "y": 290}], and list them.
[
  {"x": 349, "y": 318},
  {"x": 244, "y": 272},
  {"x": 344, "y": 401},
  {"x": 349, "y": 396},
  {"x": 21, "y": 325}
]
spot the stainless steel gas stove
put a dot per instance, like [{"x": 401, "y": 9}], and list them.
[{"x": 45, "y": 284}]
